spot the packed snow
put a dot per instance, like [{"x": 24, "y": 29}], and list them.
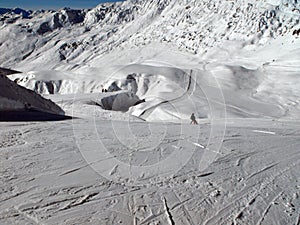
[{"x": 130, "y": 74}]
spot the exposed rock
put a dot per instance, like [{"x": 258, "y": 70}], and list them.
[{"x": 16, "y": 98}]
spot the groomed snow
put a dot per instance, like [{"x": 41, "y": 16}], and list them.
[{"x": 46, "y": 180}]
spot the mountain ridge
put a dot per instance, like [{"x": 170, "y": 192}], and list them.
[{"x": 191, "y": 26}]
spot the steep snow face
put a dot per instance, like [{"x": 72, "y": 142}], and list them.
[
  {"x": 68, "y": 38},
  {"x": 26, "y": 35},
  {"x": 197, "y": 26},
  {"x": 120, "y": 101},
  {"x": 13, "y": 97},
  {"x": 57, "y": 82},
  {"x": 68, "y": 34}
]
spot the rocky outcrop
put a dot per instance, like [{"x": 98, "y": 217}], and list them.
[{"x": 16, "y": 98}]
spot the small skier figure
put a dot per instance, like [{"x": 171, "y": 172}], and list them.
[
  {"x": 27, "y": 106},
  {"x": 193, "y": 119}
]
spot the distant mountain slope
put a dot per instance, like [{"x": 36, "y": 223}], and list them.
[
  {"x": 247, "y": 51},
  {"x": 67, "y": 38},
  {"x": 22, "y": 12}
]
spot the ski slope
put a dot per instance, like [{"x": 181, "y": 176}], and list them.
[
  {"x": 130, "y": 155},
  {"x": 50, "y": 180}
]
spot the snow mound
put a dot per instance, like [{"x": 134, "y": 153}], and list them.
[
  {"x": 121, "y": 101},
  {"x": 157, "y": 84},
  {"x": 172, "y": 94},
  {"x": 56, "y": 82}
]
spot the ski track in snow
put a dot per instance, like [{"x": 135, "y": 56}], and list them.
[
  {"x": 264, "y": 132},
  {"x": 48, "y": 182},
  {"x": 235, "y": 64}
]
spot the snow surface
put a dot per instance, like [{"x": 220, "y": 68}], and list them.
[
  {"x": 45, "y": 180},
  {"x": 235, "y": 64}
]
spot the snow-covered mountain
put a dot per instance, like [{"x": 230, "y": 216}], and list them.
[
  {"x": 131, "y": 74},
  {"x": 16, "y": 11},
  {"x": 74, "y": 36},
  {"x": 246, "y": 47}
]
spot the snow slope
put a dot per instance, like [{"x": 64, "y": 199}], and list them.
[
  {"x": 234, "y": 46},
  {"x": 75, "y": 37},
  {"x": 235, "y": 64},
  {"x": 45, "y": 180}
]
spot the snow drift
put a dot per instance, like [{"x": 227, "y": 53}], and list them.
[{"x": 121, "y": 101}]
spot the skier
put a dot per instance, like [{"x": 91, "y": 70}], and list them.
[
  {"x": 27, "y": 106},
  {"x": 193, "y": 119}
]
